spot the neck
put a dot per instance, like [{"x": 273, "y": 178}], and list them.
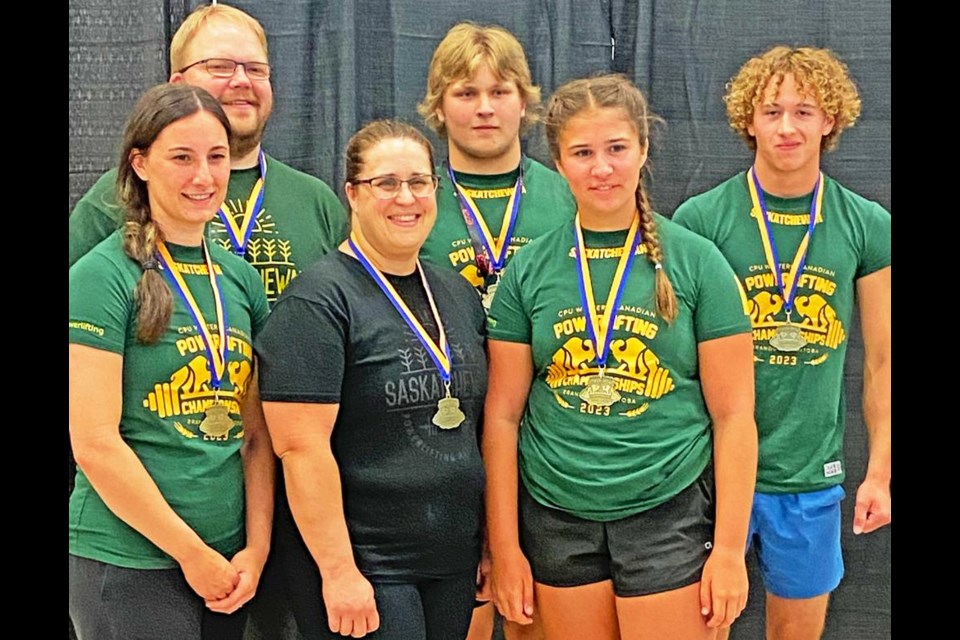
[
  {"x": 395, "y": 265},
  {"x": 606, "y": 221},
  {"x": 242, "y": 159},
  {"x": 787, "y": 184},
  {"x": 467, "y": 163},
  {"x": 183, "y": 236}
]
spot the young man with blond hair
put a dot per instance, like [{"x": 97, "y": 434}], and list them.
[{"x": 803, "y": 247}]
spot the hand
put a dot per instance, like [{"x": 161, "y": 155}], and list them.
[
  {"x": 249, "y": 566},
  {"x": 872, "y": 510},
  {"x": 724, "y": 587},
  {"x": 484, "y": 592},
  {"x": 209, "y": 574},
  {"x": 351, "y": 608},
  {"x": 513, "y": 586}
]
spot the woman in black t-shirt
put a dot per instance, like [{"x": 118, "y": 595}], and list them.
[{"x": 373, "y": 379}]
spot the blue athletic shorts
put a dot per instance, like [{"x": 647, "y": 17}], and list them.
[{"x": 797, "y": 537}]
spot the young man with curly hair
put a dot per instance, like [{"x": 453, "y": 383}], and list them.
[{"x": 803, "y": 247}]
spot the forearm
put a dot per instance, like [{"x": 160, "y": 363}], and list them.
[
  {"x": 876, "y": 415},
  {"x": 500, "y": 437},
  {"x": 259, "y": 468},
  {"x": 735, "y": 469},
  {"x": 316, "y": 500},
  {"x": 124, "y": 484}
]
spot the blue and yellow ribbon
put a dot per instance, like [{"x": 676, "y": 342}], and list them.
[
  {"x": 240, "y": 234},
  {"x": 495, "y": 248},
  {"x": 787, "y": 291},
  {"x": 216, "y": 357},
  {"x": 439, "y": 353},
  {"x": 600, "y": 326}
]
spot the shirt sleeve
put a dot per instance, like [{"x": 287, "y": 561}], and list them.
[
  {"x": 877, "y": 235},
  {"x": 302, "y": 350},
  {"x": 721, "y": 303},
  {"x": 94, "y": 217},
  {"x": 101, "y": 305},
  {"x": 508, "y": 319}
]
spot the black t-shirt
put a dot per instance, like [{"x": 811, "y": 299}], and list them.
[{"x": 412, "y": 492}]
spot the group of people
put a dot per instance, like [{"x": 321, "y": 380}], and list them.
[{"x": 391, "y": 422}]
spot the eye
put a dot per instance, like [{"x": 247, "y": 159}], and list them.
[
  {"x": 419, "y": 182},
  {"x": 582, "y": 153},
  {"x": 387, "y": 184},
  {"x": 218, "y": 156},
  {"x": 182, "y": 157},
  {"x": 617, "y": 148}
]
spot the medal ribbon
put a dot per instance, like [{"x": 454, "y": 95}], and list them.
[
  {"x": 440, "y": 353},
  {"x": 495, "y": 248},
  {"x": 216, "y": 358},
  {"x": 240, "y": 235},
  {"x": 770, "y": 247},
  {"x": 600, "y": 327}
]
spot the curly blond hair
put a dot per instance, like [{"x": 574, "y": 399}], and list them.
[{"x": 818, "y": 73}]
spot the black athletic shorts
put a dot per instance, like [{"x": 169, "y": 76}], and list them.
[{"x": 661, "y": 549}]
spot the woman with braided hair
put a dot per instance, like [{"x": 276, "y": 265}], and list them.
[
  {"x": 171, "y": 512},
  {"x": 620, "y": 386}
]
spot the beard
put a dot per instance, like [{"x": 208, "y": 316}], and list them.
[{"x": 243, "y": 142}]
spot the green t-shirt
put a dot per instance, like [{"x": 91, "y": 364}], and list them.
[
  {"x": 300, "y": 220},
  {"x": 545, "y": 203},
  {"x": 607, "y": 463},
  {"x": 799, "y": 404},
  {"x": 166, "y": 388}
]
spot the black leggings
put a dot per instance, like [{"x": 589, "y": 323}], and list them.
[
  {"x": 423, "y": 609},
  {"x": 114, "y": 603}
]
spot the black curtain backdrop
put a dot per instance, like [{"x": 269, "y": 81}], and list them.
[{"x": 340, "y": 63}]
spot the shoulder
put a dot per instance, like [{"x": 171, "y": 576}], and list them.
[
  {"x": 294, "y": 178},
  {"x": 329, "y": 275},
  {"x": 106, "y": 257},
  {"x": 733, "y": 187},
  {"x": 102, "y": 198},
  {"x": 852, "y": 202}
]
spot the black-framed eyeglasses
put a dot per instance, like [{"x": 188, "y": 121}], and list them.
[
  {"x": 225, "y": 68},
  {"x": 388, "y": 187}
]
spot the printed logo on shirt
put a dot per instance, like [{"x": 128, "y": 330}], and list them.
[
  {"x": 787, "y": 219},
  {"x": 812, "y": 312},
  {"x": 188, "y": 392},
  {"x": 636, "y": 371},
  {"x": 272, "y": 256}
]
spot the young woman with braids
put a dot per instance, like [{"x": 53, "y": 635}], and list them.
[
  {"x": 171, "y": 512},
  {"x": 620, "y": 386}
]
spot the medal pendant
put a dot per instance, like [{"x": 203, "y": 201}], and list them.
[
  {"x": 217, "y": 421},
  {"x": 486, "y": 298},
  {"x": 787, "y": 338},
  {"x": 600, "y": 391},
  {"x": 448, "y": 415}
]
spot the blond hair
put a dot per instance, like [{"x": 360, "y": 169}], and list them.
[
  {"x": 818, "y": 73},
  {"x": 199, "y": 17},
  {"x": 466, "y": 46}
]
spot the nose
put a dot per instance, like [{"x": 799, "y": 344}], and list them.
[
  {"x": 786, "y": 124},
  {"x": 240, "y": 76},
  {"x": 405, "y": 194},
  {"x": 203, "y": 174},
  {"x": 601, "y": 167},
  {"x": 485, "y": 107}
]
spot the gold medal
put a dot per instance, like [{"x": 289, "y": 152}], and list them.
[
  {"x": 217, "y": 421},
  {"x": 448, "y": 415},
  {"x": 787, "y": 337},
  {"x": 600, "y": 391},
  {"x": 486, "y": 298}
]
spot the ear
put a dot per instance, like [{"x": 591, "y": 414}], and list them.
[
  {"x": 828, "y": 122},
  {"x": 177, "y": 78},
  {"x": 644, "y": 148},
  {"x": 138, "y": 162},
  {"x": 559, "y": 166},
  {"x": 439, "y": 113},
  {"x": 523, "y": 109},
  {"x": 751, "y": 131},
  {"x": 351, "y": 192}
]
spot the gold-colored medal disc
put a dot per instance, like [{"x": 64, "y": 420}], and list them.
[
  {"x": 217, "y": 421},
  {"x": 787, "y": 337},
  {"x": 486, "y": 298},
  {"x": 448, "y": 415},
  {"x": 600, "y": 391}
]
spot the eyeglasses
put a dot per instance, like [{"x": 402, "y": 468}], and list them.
[
  {"x": 225, "y": 68},
  {"x": 388, "y": 187}
]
